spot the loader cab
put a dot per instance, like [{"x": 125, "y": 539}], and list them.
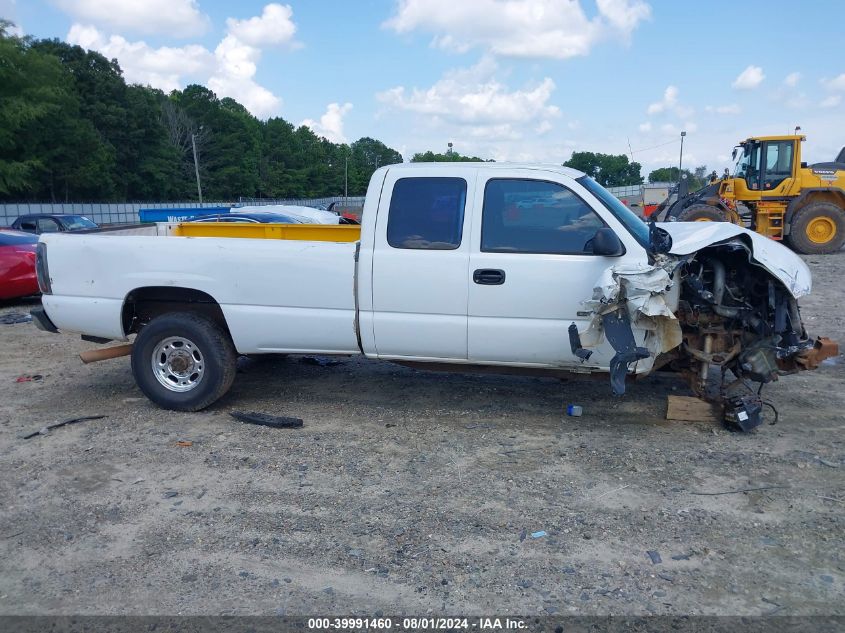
[{"x": 765, "y": 167}]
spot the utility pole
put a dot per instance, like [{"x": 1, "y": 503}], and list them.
[
  {"x": 196, "y": 164},
  {"x": 681, "y": 159},
  {"x": 346, "y": 180}
]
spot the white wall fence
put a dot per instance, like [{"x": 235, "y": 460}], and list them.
[{"x": 127, "y": 212}]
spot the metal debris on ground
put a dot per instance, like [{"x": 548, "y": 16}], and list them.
[
  {"x": 264, "y": 419},
  {"x": 319, "y": 361},
  {"x": 33, "y": 378},
  {"x": 45, "y": 430},
  {"x": 11, "y": 318}
]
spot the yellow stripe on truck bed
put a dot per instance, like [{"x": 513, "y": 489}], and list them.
[{"x": 303, "y": 232}]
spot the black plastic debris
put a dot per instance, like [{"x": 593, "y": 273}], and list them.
[
  {"x": 45, "y": 430},
  {"x": 320, "y": 361},
  {"x": 264, "y": 419},
  {"x": 743, "y": 412}
]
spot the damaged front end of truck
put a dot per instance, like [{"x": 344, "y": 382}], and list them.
[{"x": 714, "y": 296}]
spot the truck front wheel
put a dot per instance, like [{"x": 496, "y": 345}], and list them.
[
  {"x": 183, "y": 361},
  {"x": 817, "y": 228}
]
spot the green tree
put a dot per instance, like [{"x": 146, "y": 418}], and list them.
[
  {"x": 696, "y": 179},
  {"x": 609, "y": 170},
  {"x": 367, "y": 155},
  {"x": 30, "y": 93},
  {"x": 72, "y": 129},
  {"x": 450, "y": 157}
]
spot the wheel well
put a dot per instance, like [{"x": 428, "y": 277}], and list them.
[
  {"x": 144, "y": 304},
  {"x": 833, "y": 196}
]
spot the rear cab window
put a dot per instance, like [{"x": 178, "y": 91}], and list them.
[{"x": 427, "y": 213}]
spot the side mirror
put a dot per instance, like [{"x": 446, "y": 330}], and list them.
[{"x": 607, "y": 243}]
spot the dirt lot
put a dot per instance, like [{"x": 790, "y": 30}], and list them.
[{"x": 415, "y": 492}]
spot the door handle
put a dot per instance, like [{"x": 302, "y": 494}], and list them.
[{"x": 489, "y": 276}]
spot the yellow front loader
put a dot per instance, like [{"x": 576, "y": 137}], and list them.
[{"x": 773, "y": 193}]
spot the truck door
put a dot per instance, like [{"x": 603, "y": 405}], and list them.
[
  {"x": 420, "y": 263},
  {"x": 531, "y": 267}
]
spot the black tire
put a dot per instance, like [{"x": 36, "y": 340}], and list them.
[
  {"x": 817, "y": 229},
  {"x": 702, "y": 213},
  {"x": 195, "y": 357}
]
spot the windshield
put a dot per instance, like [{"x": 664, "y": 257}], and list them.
[
  {"x": 628, "y": 218},
  {"x": 746, "y": 160},
  {"x": 77, "y": 222}
]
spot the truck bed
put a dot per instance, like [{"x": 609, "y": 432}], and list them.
[{"x": 277, "y": 295}]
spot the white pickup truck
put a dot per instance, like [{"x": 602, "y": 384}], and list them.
[{"x": 458, "y": 264}]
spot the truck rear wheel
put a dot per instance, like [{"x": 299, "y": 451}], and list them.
[
  {"x": 183, "y": 361},
  {"x": 702, "y": 213},
  {"x": 817, "y": 228}
]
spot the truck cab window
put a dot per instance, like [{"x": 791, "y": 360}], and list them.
[
  {"x": 533, "y": 216},
  {"x": 427, "y": 213},
  {"x": 778, "y": 163}
]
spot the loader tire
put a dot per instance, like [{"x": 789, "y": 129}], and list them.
[
  {"x": 702, "y": 213},
  {"x": 183, "y": 361},
  {"x": 818, "y": 228}
]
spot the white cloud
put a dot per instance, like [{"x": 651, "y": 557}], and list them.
[
  {"x": 724, "y": 109},
  {"x": 645, "y": 127},
  {"x": 670, "y": 129},
  {"x": 670, "y": 104},
  {"x": 274, "y": 26},
  {"x": 330, "y": 124},
  {"x": 176, "y": 18},
  {"x": 792, "y": 79},
  {"x": 837, "y": 83},
  {"x": 670, "y": 98},
  {"x": 519, "y": 28},
  {"x": 237, "y": 64},
  {"x": 831, "y": 102},
  {"x": 166, "y": 68},
  {"x": 229, "y": 71},
  {"x": 749, "y": 78},
  {"x": 480, "y": 113},
  {"x": 474, "y": 96}
]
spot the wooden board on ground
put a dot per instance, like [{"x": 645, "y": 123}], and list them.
[{"x": 687, "y": 409}]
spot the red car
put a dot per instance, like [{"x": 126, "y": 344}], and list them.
[{"x": 17, "y": 264}]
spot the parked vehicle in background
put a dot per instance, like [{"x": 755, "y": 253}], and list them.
[
  {"x": 447, "y": 270},
  {"x": 309, "y": 215},
  {"x": 39, "y": 223},
  {"x": 256, "y": 218},
  {"x": 17, "y": 264}
]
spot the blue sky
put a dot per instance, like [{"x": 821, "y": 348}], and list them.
[{"x": 528, "y": 80}]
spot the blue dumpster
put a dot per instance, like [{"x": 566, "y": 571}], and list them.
[{"x": 178, "y": 215}]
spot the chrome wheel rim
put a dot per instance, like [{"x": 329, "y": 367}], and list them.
[{"x": 178, "y": 364}]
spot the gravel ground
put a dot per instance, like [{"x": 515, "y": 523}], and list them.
[{"x": 415, "y": 492}]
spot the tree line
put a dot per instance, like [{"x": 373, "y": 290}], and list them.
[
  {"x": 72, "y": 129},
  {"x": 615, "y": 170}
]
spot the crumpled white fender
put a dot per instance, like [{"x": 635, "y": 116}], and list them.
[{"x": 647, "y": 293}]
